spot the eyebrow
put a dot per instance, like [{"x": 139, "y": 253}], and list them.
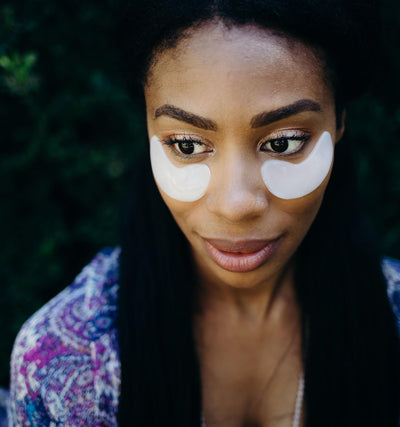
[
  {"x": 185, "y": 116},
  {"x": 266, "y": 118},
  {"x": 262, "y": 119}
]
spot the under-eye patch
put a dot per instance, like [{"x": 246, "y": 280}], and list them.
[
  {"x": 283, "y": 179},
  {"x": 290, "y": 181},
  {"x": 185, "y": 184}
]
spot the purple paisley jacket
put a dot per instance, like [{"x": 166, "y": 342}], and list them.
[{"x": 65, "y": 367}]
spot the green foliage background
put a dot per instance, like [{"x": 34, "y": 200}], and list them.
[{"x": 69, "y": 133}]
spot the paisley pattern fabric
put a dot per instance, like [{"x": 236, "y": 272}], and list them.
[
  {"x": 65, "y": 363},
  {"x": 65, "y": 367}
]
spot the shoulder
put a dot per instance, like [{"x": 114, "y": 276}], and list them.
[
  {"x": 65, "y": 364},
  {"x": 391, "y": 271}
]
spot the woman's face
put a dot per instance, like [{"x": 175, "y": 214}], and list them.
[{"x": 231, "y": 99}]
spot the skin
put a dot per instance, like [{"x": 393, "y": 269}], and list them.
[{"x": 247, "y": 323}]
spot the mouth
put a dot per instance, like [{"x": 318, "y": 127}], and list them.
[{"x": 240, "y": 256}]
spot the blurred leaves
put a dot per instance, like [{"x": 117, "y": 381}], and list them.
[
  {"x": 19, "y": 78},
  {"x": 69, "y": 133}
]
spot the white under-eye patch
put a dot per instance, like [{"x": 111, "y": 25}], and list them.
[
  {"x": 290, "y": 181},
  {"x": 186, "y": 184}
]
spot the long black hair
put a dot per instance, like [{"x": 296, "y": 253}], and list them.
[{"x": 351, "y": 348}]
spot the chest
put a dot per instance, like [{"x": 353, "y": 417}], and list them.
[{"x": 250, "y": 381}]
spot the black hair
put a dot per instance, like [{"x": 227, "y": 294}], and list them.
[
  {"x": 348, "y": 31},
  {"x": 351, "y": 348}
]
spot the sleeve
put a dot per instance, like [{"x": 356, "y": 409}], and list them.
[
  {"x": 64, "y": 364},
  {"x": 27, "y": 407}
]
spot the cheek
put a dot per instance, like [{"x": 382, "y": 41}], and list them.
[
  {"x": 296, "y": 216},
  {"x": 303, "y": 206},
  {"x": 183, "y": 212}
]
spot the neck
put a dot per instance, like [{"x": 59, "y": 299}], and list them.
[{"x": 271, "y": 299}]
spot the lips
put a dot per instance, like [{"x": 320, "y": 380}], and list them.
[
  {"x": 240, "y": 256},
  {"x": 243, "y": 246}
]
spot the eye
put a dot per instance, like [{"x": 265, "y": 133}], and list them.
[
  {"x": 187, "y": 146},
  {"x": 285, "y": 145}
]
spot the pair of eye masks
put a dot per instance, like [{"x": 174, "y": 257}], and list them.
[{"x": 283, "y": 179}]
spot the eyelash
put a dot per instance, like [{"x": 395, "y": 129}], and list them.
[
  {"x": 176, "y": 139},
  {"x": 302, "y": 138}
]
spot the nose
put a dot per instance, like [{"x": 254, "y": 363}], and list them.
[{"x": 237, "y": 192}]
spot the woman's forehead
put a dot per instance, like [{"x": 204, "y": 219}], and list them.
[
  {"x": 214, "y": 42},
  {"x": 216, "y": 66}
]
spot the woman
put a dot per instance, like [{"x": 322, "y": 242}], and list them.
[{"x": 250, "y": 292}]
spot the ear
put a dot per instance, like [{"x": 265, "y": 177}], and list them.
[{"x": 341, "y": 128}]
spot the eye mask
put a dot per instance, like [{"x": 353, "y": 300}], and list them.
[
  {"x": 186, "y": 184},
  {"x": 290, "y": 181},
  {"x": 283, "y": 179}
]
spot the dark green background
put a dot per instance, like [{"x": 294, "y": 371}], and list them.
[{"x": 69, "y": 133}]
